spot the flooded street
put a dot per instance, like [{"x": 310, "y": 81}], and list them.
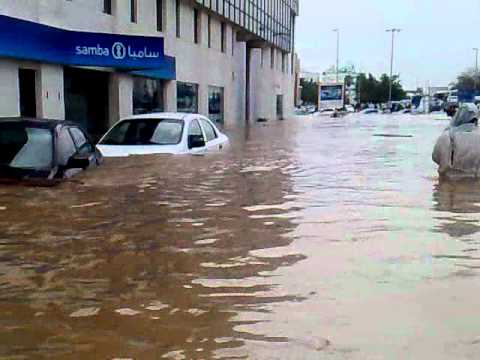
[{"x": 311, "y": 238}]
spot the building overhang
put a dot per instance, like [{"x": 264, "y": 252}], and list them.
[
  {"x": 26, "y": 40},
  {"x": 252, "y": 41}
]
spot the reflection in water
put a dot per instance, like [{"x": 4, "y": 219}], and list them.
[
  {"x": 296, "y": 243},
  {"x": 458, "y": 197},
  {"x": 143, "y": 258},
  {"x": 461, "y": 200}
]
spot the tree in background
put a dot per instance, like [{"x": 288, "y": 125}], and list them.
[
  {"x": 309, "y": 93},
  {"x": 372, "y": 90},
  {"x": 468, "y": 81}
]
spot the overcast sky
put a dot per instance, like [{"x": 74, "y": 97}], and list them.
[{"x": 435, "y": 45}]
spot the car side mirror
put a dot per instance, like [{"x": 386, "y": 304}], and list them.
[
  {"x": 195, "y": 141},
  {"x": 78, "y": 162}
]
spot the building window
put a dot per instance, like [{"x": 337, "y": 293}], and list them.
[
  {"x": 209, "y": 31},
  {"x": 159, "y": 15},
  {"x": 148, "y": 95},
  {"x": 283, "y": 62},
  {"x": 107, "y": 7},
  {"x": 223, "y": 37},
  {"x": 133, "y": 11},
  {"x": 215, "y": 104},
  {"x": 187, "y": 97},
  {"x": 196, "y": 26},
  {"x": 272, "y": 58},
  {"x": 177, "y": 17},
  {"x": 233, "y": 42}
]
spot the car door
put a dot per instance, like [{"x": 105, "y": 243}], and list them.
[
  {"x": 195, "y": 130},
  {"x": 65, "y": 149},
  {"x": 83, "y": 145},
  {"x": 211, "y": 135}
]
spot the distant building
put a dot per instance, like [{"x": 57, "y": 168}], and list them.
[
  {"x": 298, "y": 87},
  {"x": 310, "y": 76},
  {"x": 329, "y": 76},
  {"x": 432, "y": 90}
]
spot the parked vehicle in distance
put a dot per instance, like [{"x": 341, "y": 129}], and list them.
[
  {"x": 44, "y": 149},
  {"x": 325, "y": 112},
  {"x": 349, "y": 108},
  {"x": 300, "y": 111},
  {"x": 162, "y": 133},
  {"x": 450, "y": 108},
  {"x": 369, "y": 111}
]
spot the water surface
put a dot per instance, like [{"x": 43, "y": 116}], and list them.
[{"x": 310, "y": 238}]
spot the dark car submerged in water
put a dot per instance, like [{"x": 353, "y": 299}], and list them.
[{"x": 44, "y": 151}]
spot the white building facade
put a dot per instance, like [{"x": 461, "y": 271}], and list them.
[{"x": 96, "y": 61}]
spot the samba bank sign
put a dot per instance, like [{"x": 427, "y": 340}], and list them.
[
  {"x": 119, "y": 51},
  {"x": 26, "y": 40}
]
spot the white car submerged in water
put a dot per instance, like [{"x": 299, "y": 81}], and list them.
[
  {"x": 162, "y": 133},
  {"x": 457, "y": 151}
]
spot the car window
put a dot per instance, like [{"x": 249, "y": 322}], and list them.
[
  {"x": 167, "y": 133},
  {"x": 83, "y": 146},
  {"x": 78, "y": 137},
  {"x": 65, "y": 147},
  {"x": 23, "y": 147},
  {"x": 117, "y": 135},
  {"x": 145, "y": 132},
  {"x": 210, "y": 132},
  {"x": 195, "y": 128}
]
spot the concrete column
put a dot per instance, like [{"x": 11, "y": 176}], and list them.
[
  {"x": 9, "y": 89},
  {"x": 256, "y": 91},
  {"x": 120, "y": 97},
  {"x": 239, "y": 82},
  {"x": 203, "y": 99},
  {"x": 170, "y": 94},
  {"x": 50, "y": 92}
]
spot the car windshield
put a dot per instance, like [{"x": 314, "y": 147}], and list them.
[
  {"x": 25, "y": 147},
  {"x": 145, "y": 132}
]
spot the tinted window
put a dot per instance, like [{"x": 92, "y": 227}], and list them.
[
  {"x": 22, "y": 147},
  {"x": 210, "y": 132},
  {"x": 187, "y": 97},
  {"x": 147, "y": 95},
  {"x": 65, "y": 147},
  {"x": 146, "y": 132}
]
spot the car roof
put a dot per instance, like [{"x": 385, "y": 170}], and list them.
[
  {"x": 36, "y": 122},
  {"x": 164, "y": 115}
]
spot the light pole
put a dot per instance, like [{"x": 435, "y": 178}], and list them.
[
  {"x": 476, "y": 59},
  {"x": 393, "y": 31},
  {"x": 338, "y": 50}
]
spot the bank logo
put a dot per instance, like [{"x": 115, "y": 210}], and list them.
[{"x": 119, "y": 51}]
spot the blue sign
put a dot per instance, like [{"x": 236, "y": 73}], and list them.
[
  {"x": 467, "y": 95},
  {"x": 27, "y": 40},
  {"x": 331, "y": 92}
]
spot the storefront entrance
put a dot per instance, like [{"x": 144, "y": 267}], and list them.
[{"x": 86, "y": 99}]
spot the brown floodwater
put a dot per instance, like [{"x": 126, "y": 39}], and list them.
[{"x": 311, "y": 238}]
